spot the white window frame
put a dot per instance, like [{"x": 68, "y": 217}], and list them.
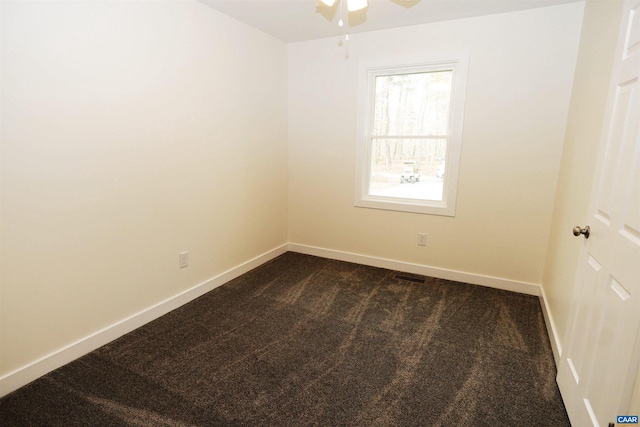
[{"x": 368, "y": 71}]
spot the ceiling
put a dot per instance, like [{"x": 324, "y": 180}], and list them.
[{"x": 299, "y": 20}]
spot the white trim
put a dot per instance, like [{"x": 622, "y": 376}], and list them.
[
  {"x": 554, "y": 337},
  {"x": 23, "y": 376},
  {"x": 425, "y": 270},
  {"x": 458, "y": 63}
]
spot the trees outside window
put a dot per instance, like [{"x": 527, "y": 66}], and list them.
[{"x": 410, "y": 123}]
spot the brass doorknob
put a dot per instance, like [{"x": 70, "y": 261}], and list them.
[{"x": 578, "y": 231}]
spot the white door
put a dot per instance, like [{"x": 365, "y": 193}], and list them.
[{"x": 597, "y": 371}]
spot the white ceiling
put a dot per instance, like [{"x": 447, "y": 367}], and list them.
[{"x": 299, "y": 20}]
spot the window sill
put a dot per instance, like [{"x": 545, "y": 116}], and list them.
[{"x": 431, "y": 207}]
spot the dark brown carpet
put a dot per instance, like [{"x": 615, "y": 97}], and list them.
[{"x": 306, "y": 341}]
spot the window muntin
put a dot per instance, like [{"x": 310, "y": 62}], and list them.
[{"x": 410, "y": 121}]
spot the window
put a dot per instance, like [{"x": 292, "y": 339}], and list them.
[{"x": 410, "y": 133}]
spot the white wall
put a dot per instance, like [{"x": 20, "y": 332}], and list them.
[
  {"x": 520, "y": 79},
  {"x": 130, "y": 131},
  {"x": 584, "y": 128}
]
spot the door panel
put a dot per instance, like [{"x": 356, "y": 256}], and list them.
[{"x": 598, "y": 368}]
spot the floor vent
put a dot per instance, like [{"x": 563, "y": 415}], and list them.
[{"x": 409, "y": 278}]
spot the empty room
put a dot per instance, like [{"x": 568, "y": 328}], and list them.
[{"x": 319, "y": 212}]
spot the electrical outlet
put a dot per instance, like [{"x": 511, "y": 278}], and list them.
[
  {"x": 422, "y": 239},
  {"x": 184, "y": 259}
]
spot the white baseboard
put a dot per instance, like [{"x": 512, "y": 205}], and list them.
[
  {"x": 61, "y": 357},
  {"x": 458, "y": 276},
  {"x": 22, "y": 376},
  {"x": 425, "y": 270},
  {"x": 554, "y": 338}
]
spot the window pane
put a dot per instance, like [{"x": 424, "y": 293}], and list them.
[
  {"x": 408, "y": 168},
  {"x": 412, "y": 104}
]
